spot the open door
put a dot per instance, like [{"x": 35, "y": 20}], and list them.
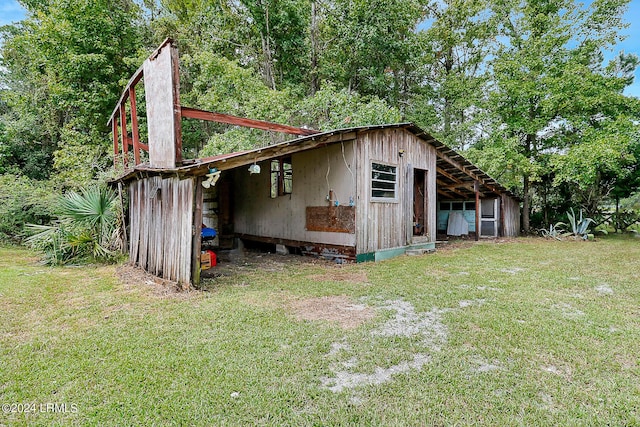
[
  {"x": 489, "y": 218},
  {"x": 420, "y": 201}
]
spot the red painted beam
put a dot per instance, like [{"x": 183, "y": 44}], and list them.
[
  {"x": 194, "y": 113},
  {"x": 125, "y": 135},
  {"x": 134, "y": 125},
  {"x": 116, "y": 148}
]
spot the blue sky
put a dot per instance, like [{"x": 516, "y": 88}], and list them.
[{"x": 11, "y": 11}]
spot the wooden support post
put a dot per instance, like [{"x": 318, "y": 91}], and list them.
[
  {"x": 197, "y": 230},
  {"x": 177, "y": 113},
  {"x": 425, "y": 199},
  {"x": 116, "y": 148},
  {"x": 409, "y": 202},
  {"x": 476, "y": 188},
  {"x": 125, "y": 135},
  {"x": 501, "y": 232},
  {"x": 134, "y": 125},
  {"x": 125, "y": 244}
]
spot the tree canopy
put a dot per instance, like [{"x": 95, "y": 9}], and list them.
[{"x": 520, "y": 86}]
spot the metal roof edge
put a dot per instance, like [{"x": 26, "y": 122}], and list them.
[{"x": 207, "y": 162}]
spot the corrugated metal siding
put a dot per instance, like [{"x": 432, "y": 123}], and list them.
[
  {"x": 161, "y": 216},
  {"x": 511, "y": 216},
  {"x": 383, "y": 225}
]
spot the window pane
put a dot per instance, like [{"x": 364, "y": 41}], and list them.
[
  {"x": 470, "y": 206},
  {"x": 445, "y": 206},
  {"x": 383, "y": 176},
  {"x": 383, "y": 181},
  {"x": 288, "y": 178},
  {"x": 383, "y": 168},
  {"x": 456, "y": 206},
  {"x": 487, "y": 208},
  {"x": 384, "y": 185},
  {"x": 275, "y": 168},
  {"x": 383, "y": 194},
  {"x": 488, "y": 228}
]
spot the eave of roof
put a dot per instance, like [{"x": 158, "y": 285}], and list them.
[{"x": 448, "y": 159}]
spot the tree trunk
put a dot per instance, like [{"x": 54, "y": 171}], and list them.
[
  {"x": 617, "y": 221},
  {"x": 448, "y": 67},
  {"x": 315, "y": 82},
  {"x": 269, "y": 74},
  {"x": 526, "y": 185},
  {"x": 526, "y": 205},
  {"x": 545, "y": 207}
]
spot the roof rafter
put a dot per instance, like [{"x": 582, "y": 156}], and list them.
[
  {"x": 195, "y": 113},
  {"x": 463, "y": 169}
]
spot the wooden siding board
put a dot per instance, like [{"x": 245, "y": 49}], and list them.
[
  {"x": 197, "y": 230},
  {"x": 511, "y": 220},
  {"x": 161, "y": 226},
  {"x": 161, "y": 117},
  {"x": 385, "y": 225}
]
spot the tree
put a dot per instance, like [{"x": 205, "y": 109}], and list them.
[
  {"x": 450, "y": 83},
  {"x": 371, "y": 47},
  {"x": 65, "y": 66},
  {"x": 546, "y": 82},
  {"x": 604, "y": 164}
]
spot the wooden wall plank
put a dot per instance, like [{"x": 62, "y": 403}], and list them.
[
  {"x": 511, "y": 209},
  {"x": 161, "y": 117},
  {"x": 385, "y": 224},
  {"x": 197, "y": 229},
  {"x": 161, "y": 215}
]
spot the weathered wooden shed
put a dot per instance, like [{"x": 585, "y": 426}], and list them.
[{"x": 364, "y": 193}]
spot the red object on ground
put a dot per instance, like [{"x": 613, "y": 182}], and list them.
[{"x": 213, "y": 257}]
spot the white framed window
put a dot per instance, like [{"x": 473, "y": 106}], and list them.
[{"x": 384, "y": 182}]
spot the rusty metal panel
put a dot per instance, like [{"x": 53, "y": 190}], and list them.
[
  {"x": 161, "y": 118},
  {"x": 336, "y": 219}
]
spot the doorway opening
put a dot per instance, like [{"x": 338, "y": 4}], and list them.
[{"x": 420, "y": 202}]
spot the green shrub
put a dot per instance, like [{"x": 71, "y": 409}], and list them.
[{"x": 23, "y": 200}]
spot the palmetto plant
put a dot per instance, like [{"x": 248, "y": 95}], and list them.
[{"x": 87, "y": 228}]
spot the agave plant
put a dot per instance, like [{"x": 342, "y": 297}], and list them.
[
  {"x": 86, "y": 228},
  {"x": 579, "y": 226},
  {"x": 554, "y": 231}
]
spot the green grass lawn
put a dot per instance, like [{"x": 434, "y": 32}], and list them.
[{"x": 530, "y": 332}]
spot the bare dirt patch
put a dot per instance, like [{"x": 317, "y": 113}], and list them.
[
  {"x": 132, "y": 277},
  {"x": 339, "y": 309},
  {"x": 464, "y": 243},
  {"x": 238, "y": 262},
  {"x": 348, "y": 380},
  {"x": 425, "y": 327},
  {"x": 604, "y": 289},
  {"x": 342, "y": 275}
]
